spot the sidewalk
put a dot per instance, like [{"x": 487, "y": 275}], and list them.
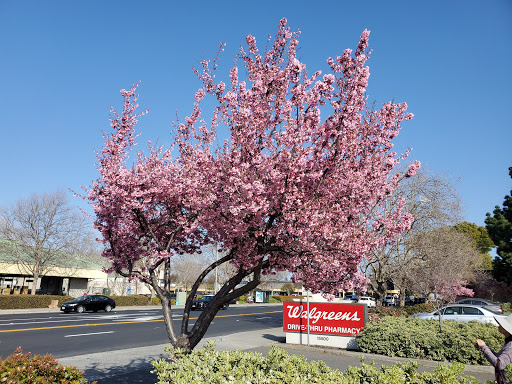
[{"x": 134, "y": 365}]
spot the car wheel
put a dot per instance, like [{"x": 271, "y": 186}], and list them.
[
  {"x": 80, "y": 309},
  {"x": 108, "y": 308}
]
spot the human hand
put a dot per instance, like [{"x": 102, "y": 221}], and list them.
[{"x": 479, "y": 343}]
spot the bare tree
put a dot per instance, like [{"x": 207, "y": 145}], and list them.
[
  {"x": 42, "y": 232},
  {"x": 433, "y": 201},
  {"x": 222, "y": 273},
  {"x": 446, "y": 260},
  {"x": 187, "y": 271}
]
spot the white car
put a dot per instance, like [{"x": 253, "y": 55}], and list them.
[
  {"x": 390, "y": 301},
  {"x": 369, "y": 301},
  {"x": 462, "y": 312}
]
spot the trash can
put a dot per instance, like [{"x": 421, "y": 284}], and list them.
[{"x": 106, "y": 291}]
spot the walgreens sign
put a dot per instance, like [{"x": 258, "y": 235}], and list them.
[{"x": 325, "y": 318}]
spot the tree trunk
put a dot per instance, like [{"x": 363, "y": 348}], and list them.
[
  {"x": 380, "y": 291},
  {"x": 185, "y": 339},
  {"x": 35, "y": 274},
  {"x": 165, "y": 299}
]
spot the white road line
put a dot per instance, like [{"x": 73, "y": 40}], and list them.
[
  {"x": 45, "y": 322},
  {"x": 139, "y": 318},
  {"x": 82, "y": 318},
  {"x": 31, "y": 318},
  {"x": 260, "y": 318},
  {"x": 89, "y": 334}
]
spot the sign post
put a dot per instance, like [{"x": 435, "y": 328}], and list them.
[{"x": 308, "y": 317}]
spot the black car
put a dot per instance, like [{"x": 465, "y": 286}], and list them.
[
  {"x": 203, "y": 302},
  {"x": 93, "y": 303}
]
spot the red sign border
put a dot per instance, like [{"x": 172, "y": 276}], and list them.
[{"x": 365, "y": 309}]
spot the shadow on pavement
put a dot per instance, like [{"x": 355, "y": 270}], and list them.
[
  {"x": 136, "y": 371},
  {"x": 278, "y": 339},
  {"x": 142, "y": 376}
]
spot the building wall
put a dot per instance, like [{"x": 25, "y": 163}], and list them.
[{"x": 77, "y": 287}]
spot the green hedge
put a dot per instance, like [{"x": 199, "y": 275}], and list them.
[
  {"x": 157, "y": 301},
  {"x": 30, "y": 301},
  {"x": 402, "y": 311},
  {"x": 417, "y": 338},
  {"x": 242, "y": 299},
  {"x": 208, "y": 366},
  {"x": 42, "y": 301},
  {"x": 280, "y": 299},
  {"x": 130, "y": 300}
]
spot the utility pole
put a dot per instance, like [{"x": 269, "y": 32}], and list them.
[{"x": 216, "y": 287}]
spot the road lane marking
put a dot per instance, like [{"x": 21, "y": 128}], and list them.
[
  {"x": 45, "y": 322},
  {"x": 261, "y": 318},
  {"x": 32, "y": 318},
  {"x": 89, "y": 334},
  {"x": 127, "y": 322},
  {"x": 141, "y": 318},
  {"x": 75, "y": 319}
]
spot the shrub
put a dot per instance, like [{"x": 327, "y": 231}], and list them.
[
  {"x": 506, "y": 308},
  {"x": 408, "y": 373},
  {"x": 275, "y": 299},
  {"x": 30, "y": 301},
  {"x": 380, "y": 312},
  {"x": 131, "y": 300},
  {"x": 280, "y": 299},
  {"x": 209, "y": 366},
  {"x": 417, "y": 308},
  {"x": 25, "y": 368},
  {"x": 417, "y": 338}
]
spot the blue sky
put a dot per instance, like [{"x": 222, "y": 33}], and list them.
[{"x": 63, "y": 63}]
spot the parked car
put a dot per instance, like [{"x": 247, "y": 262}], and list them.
[
  {"x": 203, "y": 302},
  {"x": 462, "y": 312},
  {"x": 409, "y": 300},
  {"x": 482, "y": 303},
  {"x": 369, "y": 301},
  {"x": 93, "y": 303},
  {"x": 350, "y": 297},
  {"x": 390, "y": 301}
]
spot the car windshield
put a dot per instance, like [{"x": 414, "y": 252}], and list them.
[{"x": 206, "y": 298}]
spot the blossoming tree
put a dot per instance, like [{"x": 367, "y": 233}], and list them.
[{"x": 298, "y": 185}]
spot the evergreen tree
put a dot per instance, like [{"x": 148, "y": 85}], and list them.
[
  {"x": 480, "y": 241},
  {"x": 499, "y": 226}
]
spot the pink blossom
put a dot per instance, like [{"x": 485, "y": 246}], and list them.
[{"x": 294, "y": 188}]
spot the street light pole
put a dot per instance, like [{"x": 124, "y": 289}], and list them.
[{"x": 216, "y": 273}]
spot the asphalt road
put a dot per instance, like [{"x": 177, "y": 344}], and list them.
[{"x": 64, "y": 335}]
